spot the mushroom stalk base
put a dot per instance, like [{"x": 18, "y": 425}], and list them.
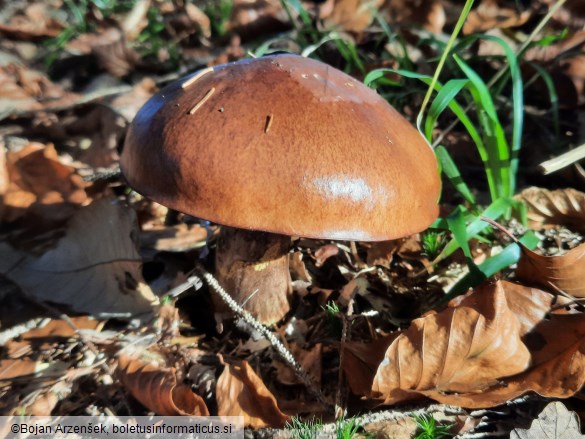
[{"x": 253, "y": 267}]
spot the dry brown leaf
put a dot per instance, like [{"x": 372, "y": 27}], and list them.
[
  {"x": 553, "y": 273},
  {"x": 361, "y": 361},
  {"x": 349, "y": 15},
  {"x": 555, "y": 338},
  {"x": 110, "y": 49},
  {"x": 309, "y": 359},
  {"x": 177, "y": 238},
  {"x": 11, "y": 369},
  {"x": 59, "y": 329},
  {"x": 199, "y": 19},
  {"x": 157, "y": 389},
  {"x": 381, "y": 253},
  {"x": 240, "y": 392},
  {"x": 95, "y": 268},
  {"x": 35, "y": 23},
  {"x": 23, "y": 89},
  {"x": 325, "y": 252},
  {"x": 562, "y": 207},
  {"x": 463, "y": 349},
  {"x": 136, "y": 20},
  {"x": 253, "y": 19},
  {"x": 428, "y": 13},
  {"x": 555, "y": 421},
  {"x": 490, "y": 14},
  {"x": 40, "y": 184}
]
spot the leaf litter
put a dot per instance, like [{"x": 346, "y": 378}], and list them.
[{"x": 499, "y": 341}]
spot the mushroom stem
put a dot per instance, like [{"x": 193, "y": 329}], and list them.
[{"x": 253, "y": 266}]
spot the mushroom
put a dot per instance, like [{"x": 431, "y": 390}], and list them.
[{"x": 276, "y": 147}]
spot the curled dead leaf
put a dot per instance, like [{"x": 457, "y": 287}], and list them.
[
  {"x": 564, "y": 272},
  {"x": 240, "y": 392},
  {"x": 462, "y": 349},
  {"x": 491, "y": 14},
  {"x": 562, "y": 207},
  {"x": 157, "y": 389}
]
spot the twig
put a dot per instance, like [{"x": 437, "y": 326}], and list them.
[
  {"x": 562, "y": 161},
  {"x": 340, "y": 408},
  {"x": 202, "y": 100},
  {"x": 285, "y": 354},
  {"x": 106, "y": 174},
  {"x": 499, "y": 227},
  {"x": 195, "y": 77}
]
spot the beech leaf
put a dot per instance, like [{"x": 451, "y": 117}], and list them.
[
  {"x": 241, "y": 392},
  {"x": 95, "y": 268},
  {"x": 156, "y": 388},
  {"x": 562, "y": 207},
  {"x": 463, "y": 349},
  {"x": 564, "y": 272},
  {"x": 555, "y": 422}
]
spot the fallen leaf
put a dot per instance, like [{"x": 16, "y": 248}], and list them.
[
  {"x": 553, "y": 333},
  {"x": 35, "y": 23},
  {"x": 555, "y": 421},
  {"x": 463, "y": 349},
  {"x": 23, "y": 89},
  {"x": 489, "y": 15},
  {"x": 177, "y": 238},
  {"x": 11, "y": 369},
  {"x": 60, "y": 329},
  {"x": 136, "y": 20},
  {"x": 199, "y": 19},
  {"x": 428, "y": 13},
  {"x": 381, "y": 253},
  {"x": 309, "y": 360},
  {"x": 110, "y": 49},
  {"x": 553, "y": 273},
  {"x": 40, "y": 184},
  {"x": 95, "y": 268},
  {"x": 361, "y": 361},
  {"x": 325, "y": 252},
  {"x": 562, "y": 207},
  {"x": 253, "y": 19},
  {"x": 240, "y": 392},
  {"x": 349, "y": 15},
  {"x": 157, "y": 389}
]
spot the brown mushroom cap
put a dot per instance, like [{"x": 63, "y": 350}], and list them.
[{"x": 287, "y": 145}]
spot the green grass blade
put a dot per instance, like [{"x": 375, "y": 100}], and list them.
[
  {"x": 552, "y": 93},
  {"x": 507, "y": 257},
  {"x": 450, "y": 169},
  {"x": 376, "y": 75},
  {"x": 495, "y": 210},
  {"x": 458, "y": 26},
  {"x": 441, "y": 102},
  {"x": 517, "y": 104},
  {"x": 496, "y": 143}
]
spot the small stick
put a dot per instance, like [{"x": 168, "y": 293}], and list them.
[
  {"x": 268, "y": 123},
  {"x": 341, "y": 395},
  {"x": 202, "y": 101},
  {"x": 194, "y": 78},
  {"x": 274, "y": 341},
  {"x": 562, "y": 161},
  {"x": 500, "y": 228}
]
